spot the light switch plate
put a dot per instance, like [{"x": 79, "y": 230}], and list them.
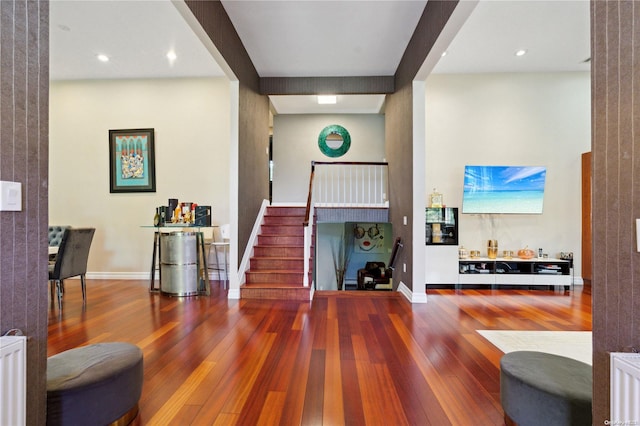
[{"x": 10, "y": 196}]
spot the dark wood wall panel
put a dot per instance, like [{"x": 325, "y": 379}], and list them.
[
  {"x": 615, "y": 42},
  {"x": 218, "y": 26},
  {"x": 24, "y": 104},
  {"x": 399, "y": 131},
  {"x": 253, "y": 178},
  {"x": 327, "y": 85},
  {"x": 253, "y": 109}
]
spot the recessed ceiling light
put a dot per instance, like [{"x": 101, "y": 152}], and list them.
[
  {"x": 521, "y": 52},
  {"x": 444, "y": 53},
  {"x": 171, "y": 55},
  {"x": 103, "y": 58},
  {"x": 327, "y": 99}
]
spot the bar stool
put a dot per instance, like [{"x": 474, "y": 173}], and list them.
[{"x": 225, "y": 235}]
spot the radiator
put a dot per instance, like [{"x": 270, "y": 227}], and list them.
[
  {"x": 13, "y": 380},
  {"x": 625, "y": 388}
]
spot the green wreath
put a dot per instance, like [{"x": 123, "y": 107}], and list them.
[{"x": 337, "y": 130}]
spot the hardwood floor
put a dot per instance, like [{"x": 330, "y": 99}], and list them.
[{"x": 356, "y": 358}]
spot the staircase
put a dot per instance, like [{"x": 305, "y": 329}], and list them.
[{"x": 277, "y": 268}]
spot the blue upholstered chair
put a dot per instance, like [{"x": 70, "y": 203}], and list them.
[
  {"x": 55, "y": 238},
  {"x": 55, "y": 235}
]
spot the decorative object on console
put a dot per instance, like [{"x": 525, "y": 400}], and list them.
[
  {"x": 526, "y": 253},
  {"x": 566, "y": 255},
  {"x": 132, "y": 161},
  {"x": 334, "y": 141},
  {"x": 463, "y": 253},
  {"x": 435, "y": 199},
  {"x": 492, "y": 249}
]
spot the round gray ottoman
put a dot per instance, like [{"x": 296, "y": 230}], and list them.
[
  {"x": 538, "y": 388},
  {"x": 96, "y": 384}
]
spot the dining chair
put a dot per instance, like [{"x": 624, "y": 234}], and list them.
[
  {"x": 55, "y": 237},
  {"x": 225, "y": 236},
  {"x": 71, "y": 260}
]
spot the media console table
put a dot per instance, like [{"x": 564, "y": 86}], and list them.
[{"x": 515, "y": 271}]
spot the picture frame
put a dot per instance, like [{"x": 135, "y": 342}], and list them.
[{"x": 132, "y": 165}]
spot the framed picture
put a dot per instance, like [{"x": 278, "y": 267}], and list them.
[{"x": 132, "y": 166}]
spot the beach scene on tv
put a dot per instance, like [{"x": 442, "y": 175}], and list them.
[{"x": 503, "y": 189}]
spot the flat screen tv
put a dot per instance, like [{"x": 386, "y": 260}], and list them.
[{"x": 503, "y": 189}]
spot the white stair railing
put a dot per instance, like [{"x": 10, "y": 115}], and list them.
[
  {"x": 350, "y": 184},
  {"x": 343, "y": 184}
]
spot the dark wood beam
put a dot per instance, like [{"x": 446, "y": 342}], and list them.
[{"x": 326, "y": 85}]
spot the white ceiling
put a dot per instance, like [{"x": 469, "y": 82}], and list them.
[
  {"x": 312, "y": 38},
  {"x": 325, "y": 38},
  {"x": 136, "y": 35}
]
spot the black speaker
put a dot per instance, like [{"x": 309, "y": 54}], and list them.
[
  {"x": 203, "y": 216},
  {"x": 165, "y": 214}
]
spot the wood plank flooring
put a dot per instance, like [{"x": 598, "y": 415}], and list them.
[{"x": 346, "y": 358}]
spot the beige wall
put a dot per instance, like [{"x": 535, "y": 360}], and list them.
[
  {"x": 511, "y": 119},
  {"x": 295, "y": 145},
  {"x": 192, "y": 126}
]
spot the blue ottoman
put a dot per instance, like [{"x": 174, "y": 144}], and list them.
[
  {"x": 538, "y": 388},
  {"x": 97, "y": 384}
]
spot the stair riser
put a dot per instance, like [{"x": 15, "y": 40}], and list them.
[
  {"x": 278, "y": 251},
  {"x": 289, "y": 230},
  {"x": 303, "y": 293},
  {"x": 274, "y": 277},
  {"x": 275, "y": 251},
  {"x": 280, "y": 240},
  {"x": 277, "y": 264},
  {"x": 284, "y": 220}
]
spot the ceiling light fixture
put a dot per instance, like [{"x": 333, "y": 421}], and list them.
[
  {"x": 444, "y": 54},
  {"x": 521, "y": 52},
  {"x": 103, "y": 58},
  {"x": 327, "y": 99},
  {"x": 171, "y": 55}
]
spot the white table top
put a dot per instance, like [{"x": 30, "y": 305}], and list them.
[{"x": 512, "y": 259}]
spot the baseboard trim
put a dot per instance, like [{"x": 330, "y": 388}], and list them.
[
  {"x": 213, "y": 276},
  {"x": 411, "y": 296}
]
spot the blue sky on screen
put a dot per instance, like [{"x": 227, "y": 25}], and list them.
[{"x": 504, "y": 178}]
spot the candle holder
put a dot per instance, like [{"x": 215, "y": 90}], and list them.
[{"x": 492, "y": 249}]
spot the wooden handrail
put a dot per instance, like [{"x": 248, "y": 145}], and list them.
[{"x": 308, "y": 210}]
